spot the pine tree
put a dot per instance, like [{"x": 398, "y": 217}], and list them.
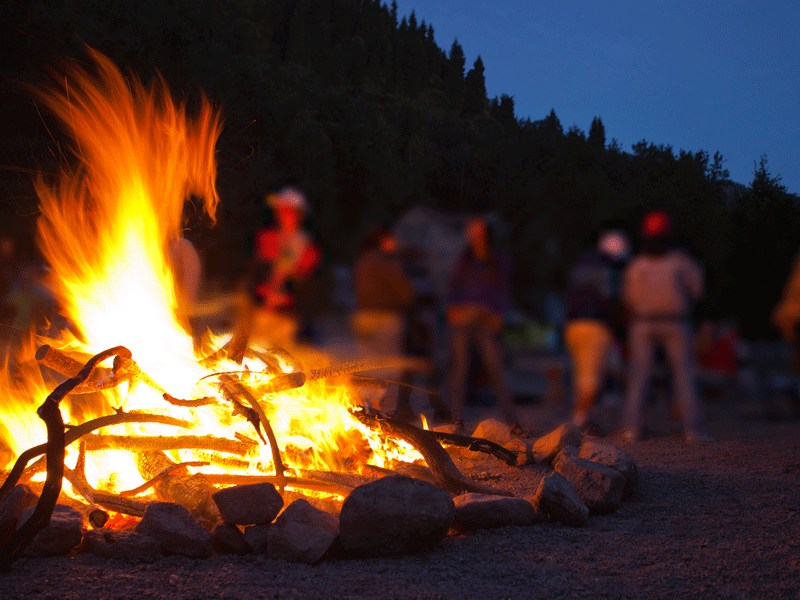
[
  {"x": 475, "y": 90},
  {"x": 597, "y": 134},
  {"x": 454, "y": 73}
]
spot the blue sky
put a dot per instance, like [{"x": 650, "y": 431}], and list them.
[{"x": 714, "y": 75}]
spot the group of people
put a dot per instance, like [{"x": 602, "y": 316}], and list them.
[
  {"x": 612, "y": 302},
  {"x": 649, "y": 300}
]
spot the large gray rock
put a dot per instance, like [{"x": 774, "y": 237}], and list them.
[
  {"x": 482, "y": 511},
  {"x": 611, "y": 456},
  {"x": 494, "y": 431},
  {"x": 599, "y": 487},
  {"x": 129, "y": 545},
  {"x": 394, "y": 515},
  {"x": 547, "y": 447},
  {"x": 176, "y": 530},
  {"x": 11, "y": 508},
  {"x": 302, "y": 533},
  {"x": 251, "y": 504},
  {"x": 229, "y": 539},
  {"x": 556, "y": 497},
  {"x": 64, "y": 532}
]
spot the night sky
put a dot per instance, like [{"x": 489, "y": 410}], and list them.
[{"x": 714, "y": 75}]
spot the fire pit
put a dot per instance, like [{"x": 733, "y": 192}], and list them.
[{"x": 156, "y": 428}]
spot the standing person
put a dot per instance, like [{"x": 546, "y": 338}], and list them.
[
  {"x": 383, "y": 296},
  {"x": 285, "y": 254},
  {"x": 786, "y": 318},
  {"x": 478, "y": 296},
  {"x": 659, "y": 287},
  {"x": 594, "y": 309}
]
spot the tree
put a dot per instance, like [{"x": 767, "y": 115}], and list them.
[
  {"x": 597, "y": 134},
  {"x": 454, "y": 73},
  {"x": 475, "y": 91}
]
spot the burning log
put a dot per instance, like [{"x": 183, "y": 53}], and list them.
[
  {"x": 160, "y": 442},
  {"x": 49, "y": 412},
  {"x": 447, "y": 475},
  {"x": 233, "y": 389},
  {"x": 75, "y": 433},
  {"x": 192, "y": 491},
  {"x": 148, "y": 484},
  {"x": 77, "y": 478}
]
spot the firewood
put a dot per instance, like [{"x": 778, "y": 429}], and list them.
[
  {"x": 192, "y": 491},
  {"x": 158, "y": 443},
  {"x": 171, "y": 469},
  {"x": 236, "y": 389},
  {"x": 447, "y": 475},
  {"x": 50, "y": 413},
  {"x": 477, "y": 445},
  {"x": 75, "y": 433}
]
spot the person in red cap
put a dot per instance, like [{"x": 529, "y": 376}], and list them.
[
  {"x": 285, "y": 254},
  {"x": 660, "y": 286}
]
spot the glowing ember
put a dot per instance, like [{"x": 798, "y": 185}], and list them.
[{"x": 105, "y": 229}]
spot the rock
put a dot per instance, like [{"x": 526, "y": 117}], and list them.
[
  {"x": 64, "y": 532},
  {"x": 566, "y": 452},
  {"x": 256, "y": 537},
  {"x": 394, "y": 515},
  {"x": 252, "y": 504},
  {"x": 482, "y": 511},
  {"x": 556, "y": 497},
  {"x": 229, "y": 539},
  {"x": 547, "y": 447},
  {"x": 522, "y": 449},
  {"x": 11, "y": 508},
  {"x": 302, "y": 533},
  {"x": 611, "y": 456},
  {"x": 130, "y": 545},
  {"x": 494, "y": 431},
  {"x": 600, "y": 487},
  {"x": 176, "y": 530}
]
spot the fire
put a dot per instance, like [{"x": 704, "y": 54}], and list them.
[{"x": 105, "y": 229}]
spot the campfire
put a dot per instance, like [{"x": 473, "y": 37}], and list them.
[
  {"x": 136, "y": 414},
  {"x": 148, "y": 415}
]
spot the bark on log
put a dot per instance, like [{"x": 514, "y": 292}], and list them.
[
  {"x": 158, "y": 443},
  {"x": 476, "y": 445},
  {"x": 192, "y": 491},
  {"x": 447, "y": 475},
  {"x": 75, "y": 433},
  {"x": 50, "y": 413},
  {"x": 282, "y": 482}
]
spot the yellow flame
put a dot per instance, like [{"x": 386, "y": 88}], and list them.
[{"x": 105, "y": 228}]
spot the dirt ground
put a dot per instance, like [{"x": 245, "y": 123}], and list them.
[{"x": 706, "y": 521}]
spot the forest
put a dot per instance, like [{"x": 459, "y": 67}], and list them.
[{"x": 363, "y": 109}]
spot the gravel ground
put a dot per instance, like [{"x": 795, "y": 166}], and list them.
[{"x": 720, "y": 520}]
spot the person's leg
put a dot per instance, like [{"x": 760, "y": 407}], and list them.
[
  {"x": 641, "y": 364},
  {"x": 677, "y": 340},
  {"x": 588, "y": 343},
  {"x": 492, "y": 355},
  {"x": 459, "y": 355}
]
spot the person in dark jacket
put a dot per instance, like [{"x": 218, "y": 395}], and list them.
[
  {"x": 477, "y": 299},
  {"x": 383, "y": 295}
]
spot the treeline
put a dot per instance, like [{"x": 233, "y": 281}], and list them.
[{"x": 363, "y": 109}]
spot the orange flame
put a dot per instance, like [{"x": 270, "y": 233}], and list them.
[{"x": 105, "y": 228}]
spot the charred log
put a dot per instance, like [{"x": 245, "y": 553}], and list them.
[{"x": 447, "y": 475}]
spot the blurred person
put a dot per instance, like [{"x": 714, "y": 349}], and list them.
[
  {"x": 285, "y": 255},
  {"x": 478, "y": 297},
  {"x": 594, "y": 309},
  {"x": 660, "y": 286},
  {"x": 422, "y": 338},
  {"x": 383, "y": 295},
  {"x": 786, "y": 318}
]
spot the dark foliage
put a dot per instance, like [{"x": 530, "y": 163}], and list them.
[{"x": 362, "y": 109}]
